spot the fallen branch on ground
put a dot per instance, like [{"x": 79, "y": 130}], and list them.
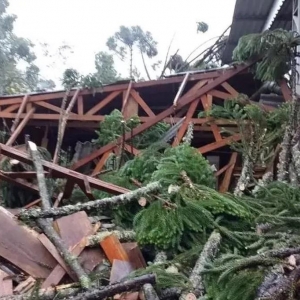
[{"x": 91, "y": 205}]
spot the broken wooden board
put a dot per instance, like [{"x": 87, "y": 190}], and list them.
[
  {"x": 73, "y": 230},
  {"x": 113, "y": 249},
  {"x": 25, "y": 286},
  {"x": 6, "y": 284},
  {"x": 120, "y": 269},
  {"x": 90, "y": 258},
  {"x": 135, "y": 255},
  {"x": 22, "y": 248}
]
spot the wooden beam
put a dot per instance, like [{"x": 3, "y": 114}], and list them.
[
  {"x": 6, "y": 284},
  {"x": 221, "y": 171},
  {"x": 131, "y": 149},
  {"x": 22, "y": 175},
  {"x": 219, "y": 94},
  {"x": 18, "y": 130},
  {"x": 286, "y": 91},
  {"x": 142, "y": 103},
  {"x": 181, "y": 88},
  {"x": 101, "y": 163},
  {"x": 219, "y": 144},
  {"x": 11, "y": 108},
  {"x": 51, "y": 107},
  {"x": 58, "y": 171},
  {"x": 230, "y": 89},
  {"x": 131, "y": 108},
  {"x": 227, "y": 178},
  {"x": 185, "y": 100},
  {"x": 112, "y": 88},
  {"x": 126, "y": 96},
  {"x": 20, "y": 111},
  {"x": 186, "y": 122},
  {"x": 103, "y": 103},
  {"x": 80, "y": 109}
]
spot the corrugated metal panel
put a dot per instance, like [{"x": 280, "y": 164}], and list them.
[{"x": 250, "y": 17}]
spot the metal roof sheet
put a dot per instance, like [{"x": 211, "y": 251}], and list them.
[{"x": 250, "y": 16}]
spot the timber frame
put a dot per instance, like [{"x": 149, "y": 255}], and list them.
[{"x": 190, "y": 93}]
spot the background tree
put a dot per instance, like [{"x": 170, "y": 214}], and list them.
[
  {"x": 124, "y": 42},
  {"x": 106, "y": 72}
]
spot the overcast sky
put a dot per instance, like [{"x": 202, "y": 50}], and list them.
[{"x": 86, "y": 25}]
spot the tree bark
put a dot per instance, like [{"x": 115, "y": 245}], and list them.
[
  {"x": 245, "y": 177},
  {"x": 40, "y": 175},
  {"x": 129, "y": 285},
  {"x": 91, "y": 205},
  {"x": 208, "y": 253},
  {"x": 46, "y": 225},
  {"x": 123, "y": 236},
  {"x": 149, "y": 292}
]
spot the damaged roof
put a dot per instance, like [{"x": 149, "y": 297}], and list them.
[{"x": 254, "y": 16}]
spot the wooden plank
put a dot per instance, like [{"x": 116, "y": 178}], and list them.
[
  {"x": 25, "y": 286},
  {"x": 11, "y": 108},
  {"x": 91, "y": 258},
  {"x": 101, "y": 163},
  {"x": 233, "y": 92},
  {"x": 58, "y": 199},
  {"x": 219, "y": 144},
  {"x": 219, "y": 94},
  {"x": 131, "y": 108},
  {"x": 23, "y": 175},
  {"x": 142, "y": 103},
  {"x": 207, "y": 104},
  {"x": 222, "y": 170},
  {"x": 18, "y": 130},
  {"x": 80, "y": 109},
  {"x": 52, "y": 249},
  {"x": 131, "y": 149},
  {"x": 185, "y": 100},
  {"x": 126, "y": 96},
  {"x": 111, "y": 88},
  {"x": 186, "y": 122},
  {"x": 103, "y": 103},
  {"x": 23, "y": 249},
  {"x": 181, "y": 88},
  {"x": 113, "y": 249},
  {"x": 59, "y": 172},
  {"x": 227, "y": 178},
  {"x": 72, "y": 229},
  {"x": 51, "y": 107},
  {"x": 20, "y": 111},
  {"x": 44, "y": 142},
  {"x": 120, "y": 269},
  {"x": 286, "y": 91},
  {"x": 135, "y": 255},
  {"x": 6, "y": 284}
]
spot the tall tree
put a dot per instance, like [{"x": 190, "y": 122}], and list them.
[
  {"x": 127, "y": 39},
  {"x": 13, "y": 51},
  {"x": 106, "y": 72}
]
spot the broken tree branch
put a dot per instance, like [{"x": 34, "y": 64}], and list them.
[
  {"x": 87, "y": 206},
  {"x": 46, "y": 225},
  {"x": 129, "y": 285},
  {"x": 208, "y": 253},
  {"x": 123, "y": 236}
]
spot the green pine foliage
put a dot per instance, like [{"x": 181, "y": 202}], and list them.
[
  {"x": 275, "y": 49},
  {"x": 183, "y": 158},
  {"x": 114, "y": 125}
]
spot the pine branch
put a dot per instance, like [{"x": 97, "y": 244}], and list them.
[{"x": 90, "y": 205}]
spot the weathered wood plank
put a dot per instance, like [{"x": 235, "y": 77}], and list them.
[
  {"x": 19, "y": 246},
  {"x": 6, "y": 284}
]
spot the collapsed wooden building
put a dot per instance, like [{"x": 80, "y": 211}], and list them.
[{"x": 176, "y": 100}]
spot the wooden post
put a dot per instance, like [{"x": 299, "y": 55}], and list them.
[
  {"x": 18, "y": 130},
  {"x": 20, "y": 111},
  {"x": 227, "y": 178}
]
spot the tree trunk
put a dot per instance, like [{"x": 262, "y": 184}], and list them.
[
  {"x": 145, "y": 67},
  {"x": 91, "y": 205}
]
